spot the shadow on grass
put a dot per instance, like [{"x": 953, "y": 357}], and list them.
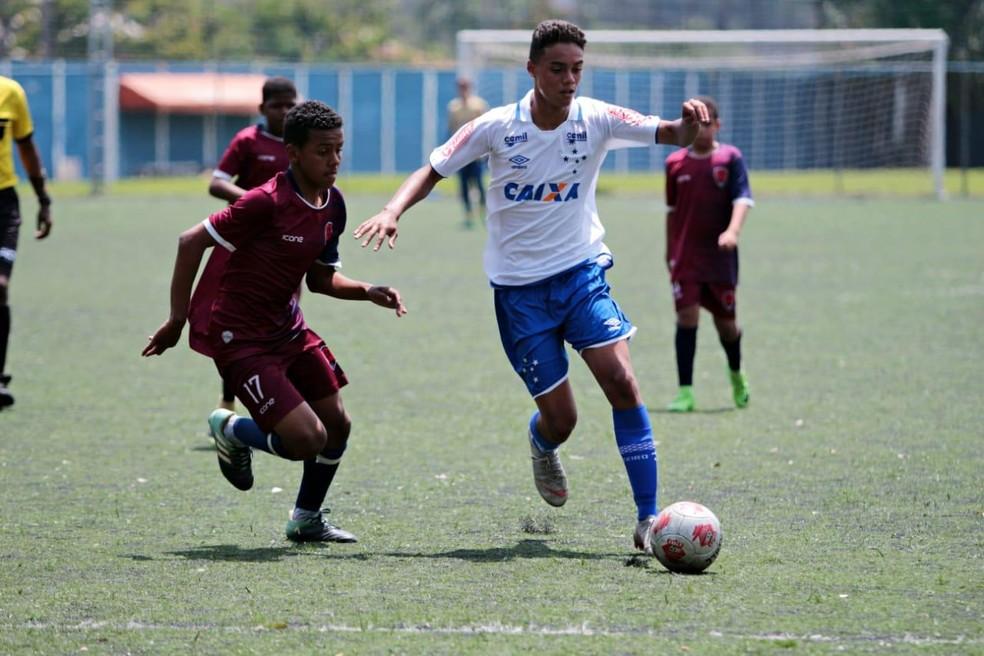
[
  {"x": 698, "y": 411},
  {"x": 227, "y": 553},
  {"x": 523, "y": 549}
]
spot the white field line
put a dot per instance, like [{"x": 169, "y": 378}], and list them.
[{"x": 500, "y": 629}]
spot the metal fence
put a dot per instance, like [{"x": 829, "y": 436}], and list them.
[{"x": 394, "y": 116}]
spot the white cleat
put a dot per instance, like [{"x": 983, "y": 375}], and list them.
[
  {"x": 549, "y": 476},
  {"x": 643, "y": 537}
]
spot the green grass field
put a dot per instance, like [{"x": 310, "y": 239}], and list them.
[{"x": 850, "y": 491}]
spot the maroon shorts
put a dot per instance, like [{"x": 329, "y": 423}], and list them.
[
  {"x": 716, "y": 298},
  {"x": 273, "y": 383}
]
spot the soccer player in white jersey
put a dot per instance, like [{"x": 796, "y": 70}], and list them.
[{"x": 545, "y": 257}]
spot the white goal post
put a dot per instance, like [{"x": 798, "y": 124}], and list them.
[{"x": 841, "y": 100}]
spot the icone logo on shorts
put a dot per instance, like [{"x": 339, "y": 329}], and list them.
[{"x": 547, "y": 192}]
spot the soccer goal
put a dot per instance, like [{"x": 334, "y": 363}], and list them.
[{"x": 861, "y": 109}]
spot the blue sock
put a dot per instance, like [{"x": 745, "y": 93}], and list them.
[
  {"x": 249, "y": 433},
  {"x": 538, "y": 440},
  {"x": 634, "y": 436},
  {"x": 319, "y": 472}
]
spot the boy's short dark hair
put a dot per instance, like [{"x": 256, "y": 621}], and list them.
[
  {"x": 712, "y": 106},
  {"x": 275, "y": 85},
  {"x": 550, "y": 32},
  {"x": 307, "y": 116}
]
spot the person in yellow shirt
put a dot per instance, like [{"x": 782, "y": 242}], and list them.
[
  {"x": 15, "y": 127},
  {"x": 467, "y": 107}
]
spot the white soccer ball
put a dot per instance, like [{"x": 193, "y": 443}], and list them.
[{"x": 686, "y": 537}]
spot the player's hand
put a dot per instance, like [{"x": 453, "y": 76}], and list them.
[
  {"x": 380, "y": 228},
  {"x": 694, "y": 112},
  {"x": 727, "y": 241},
  {"x": 166, "y": 336},
  {"x": 387, "y": 297},
  {"x": 44, "y": 222}
]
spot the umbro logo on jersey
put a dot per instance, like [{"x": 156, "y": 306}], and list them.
[
  {"x": 513, "y": 139},
  {"x": 613, "y": 324},
  {"x": 547, "y": 192},
  {"x": 575, "y": 137},
  {"x": 519, "y": 162},
  {"x": 295, "y": 239}
]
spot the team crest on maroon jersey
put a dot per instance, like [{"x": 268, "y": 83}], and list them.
[{"x": 720, "y": 174}]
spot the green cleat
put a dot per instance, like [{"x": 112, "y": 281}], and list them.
[
  {"x": 739, "y": 388},
  {"x": 235, "y": 458},
  {"x": 316, "y": 529},
  {"x": 684, "y": 402}
]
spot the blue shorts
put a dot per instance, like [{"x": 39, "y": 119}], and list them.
[{"x": 535, "y": 320}]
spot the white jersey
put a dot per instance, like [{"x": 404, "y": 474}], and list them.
[{"x": 542, "y": 217}]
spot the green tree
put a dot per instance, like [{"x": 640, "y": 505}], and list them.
[{"x": 962, "y": 20}]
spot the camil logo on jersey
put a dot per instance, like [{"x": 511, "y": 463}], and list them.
[
  {"x": 512, "y": 139},
  {"x": 547, "y": 192},
  {"x": 577, "y": 137}
]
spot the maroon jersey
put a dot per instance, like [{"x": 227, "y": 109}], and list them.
[
  {"x": 252, "y": 157},
  {"x": 273, "y": 236},
  {"x": 700, "y": 192}
]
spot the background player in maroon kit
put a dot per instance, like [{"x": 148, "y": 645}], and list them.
[
  {"x": 707, "y": 198},
  {"x": 254, "y": 155},
  {"x": 278, "y": 234}
]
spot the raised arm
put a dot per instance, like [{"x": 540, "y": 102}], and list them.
[
  {"x": 192, "y": 245},
  {"x": 382, "y": 227},
  {"x": 323, "y": 279},
  {"x": 683, "y": 131}
]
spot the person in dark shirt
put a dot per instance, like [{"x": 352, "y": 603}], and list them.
[
  {"x": 707, "y": 199},
  {"x": 278, "y": 234},
  {"x": 255, "y": 154}
]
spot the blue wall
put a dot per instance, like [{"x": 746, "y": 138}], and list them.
[{"x": 751, "y": 107}]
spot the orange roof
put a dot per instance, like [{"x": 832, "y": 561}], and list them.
[{"x": 192, "y": 93}]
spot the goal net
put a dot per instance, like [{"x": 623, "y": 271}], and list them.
[{"x": 857, "y": 111}]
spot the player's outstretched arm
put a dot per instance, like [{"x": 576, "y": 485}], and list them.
[
  {"x": 227, "y": 190},
  {"x": 192, "y": 245},
  {"x": 31, "y": 160},
  {"x": 382, "y": 227},
  {"x": 683, "y": 131},
  {"x": 326, "y": 280}
]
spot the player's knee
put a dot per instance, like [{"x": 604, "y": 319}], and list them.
[
  {"x": 621, "y": 386},
  {"x": 310, "y": 442},
  {"x": 338, "y": 433}
]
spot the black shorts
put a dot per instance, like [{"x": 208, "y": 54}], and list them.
[{"x": 10, "y": 221}]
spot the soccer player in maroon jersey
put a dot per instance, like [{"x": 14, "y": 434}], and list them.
[
  {"x": 277, "y": 235},
  {"x": 707, "y": 198},
  {"x": 254, "y": 155}
]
